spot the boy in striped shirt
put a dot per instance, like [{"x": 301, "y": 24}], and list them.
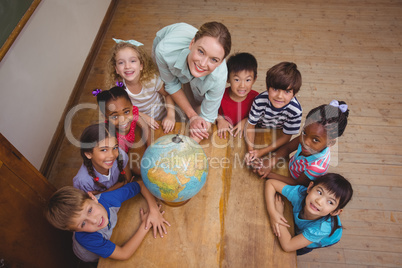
[{"x": 275, "y": 108}]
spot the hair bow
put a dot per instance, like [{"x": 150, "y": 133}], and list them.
[
  {"x": 342, "y": 107},
  {"x": 96, "y": 91},
  {"x": 133, "y": 42},
  {"x": 119, "y": 84}
]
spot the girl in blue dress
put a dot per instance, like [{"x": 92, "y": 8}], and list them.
[{"x": 316, "y": 211}]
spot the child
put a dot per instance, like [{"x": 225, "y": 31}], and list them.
[
  {"x": 92, "y": 219},
  {"x": 238, "y": 98},
  {"x": 276, "y": 108},
  {"x": 323, "y": 125},
  {"x": 116, "y": 106},
  {"x": 104, "y": 163},
  {"x": 130, "y": 63},
  {"x": 316, "y": 211}
]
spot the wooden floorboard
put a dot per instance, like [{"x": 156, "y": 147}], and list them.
[{"x": 345, "y": 50}]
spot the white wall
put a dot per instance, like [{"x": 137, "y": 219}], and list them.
[{"x": 38, "y": 73}]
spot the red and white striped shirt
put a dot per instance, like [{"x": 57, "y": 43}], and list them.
[{"x": 313, "y": 165}]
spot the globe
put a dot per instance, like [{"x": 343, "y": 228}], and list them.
[{"x": 174, "y": 169}]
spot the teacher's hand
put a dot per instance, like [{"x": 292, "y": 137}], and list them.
[{"x": 199, "y": 127}]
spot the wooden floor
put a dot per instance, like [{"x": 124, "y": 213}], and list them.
[{"x": 345, "y": 50}]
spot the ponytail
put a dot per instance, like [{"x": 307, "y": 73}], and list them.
[
  {"x": 122, "y": 174},
  {"x": 333, "y": 117},
  {"x": 90, "y": 137}
]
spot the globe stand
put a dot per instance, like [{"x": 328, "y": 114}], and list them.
[{"x": 175, "y": 204}]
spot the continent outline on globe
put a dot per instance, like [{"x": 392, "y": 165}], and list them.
[{"x": 174, "y": 171}]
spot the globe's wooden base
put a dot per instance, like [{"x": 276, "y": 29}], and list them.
[{"x": 175, "y": 204}]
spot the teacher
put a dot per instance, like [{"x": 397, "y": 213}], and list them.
[{"x": 192, "y": 65}]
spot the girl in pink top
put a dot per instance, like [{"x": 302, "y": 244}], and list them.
[
  {"x": 323, "y": 125},
  {"x": 118, "y": 110}
]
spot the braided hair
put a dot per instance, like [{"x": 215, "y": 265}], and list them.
[
  {"x": 90, "y": 138},
  {"x": 331, "y": 118},
  {"x": 122, "y": 174},
  {"x": 111, "y": 94}
]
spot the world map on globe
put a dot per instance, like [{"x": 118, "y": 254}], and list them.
[{"x": 174, "y": 168}]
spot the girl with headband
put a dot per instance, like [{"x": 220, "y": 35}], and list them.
[{"x": 132, "y": 68}]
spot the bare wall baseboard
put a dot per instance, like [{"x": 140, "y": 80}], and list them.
[{"x": 58, "y": 136}]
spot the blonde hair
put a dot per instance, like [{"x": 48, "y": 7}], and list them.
[
  {"x": 64, "y": 205},
  {"x": 149, "y": 69}
]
